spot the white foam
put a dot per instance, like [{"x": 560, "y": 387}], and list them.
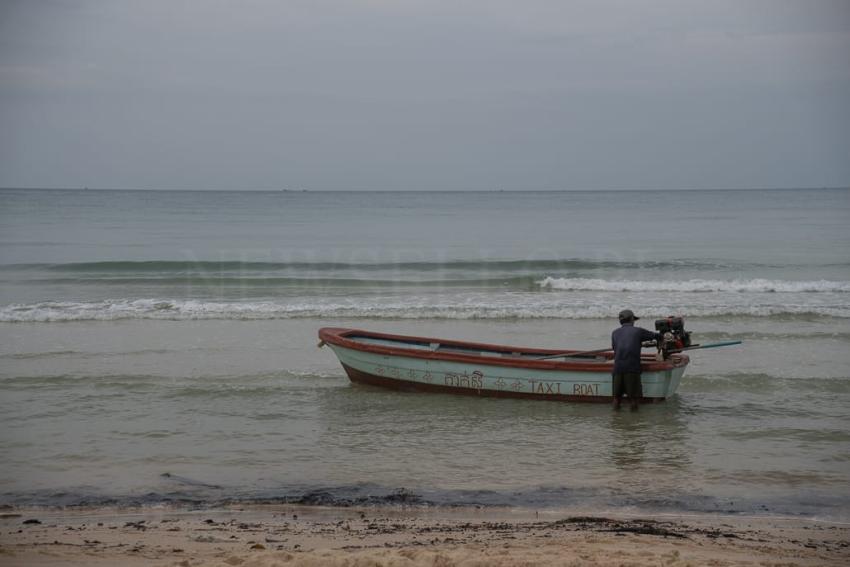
[
  {"x": 515, "y": 306},
  {"x": 696, "y": 285}
]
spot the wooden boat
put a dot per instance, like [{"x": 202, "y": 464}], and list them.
[{"x": 457, "y": 367}]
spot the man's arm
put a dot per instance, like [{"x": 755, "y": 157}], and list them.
[{"x": 649, "y": 335}]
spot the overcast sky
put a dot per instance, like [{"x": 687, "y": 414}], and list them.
[{"x": 461, "y": 94}]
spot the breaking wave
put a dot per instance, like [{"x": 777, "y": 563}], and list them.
[
  {"x": 376, "y": 308},
  {"x": 697, "y": 285}
]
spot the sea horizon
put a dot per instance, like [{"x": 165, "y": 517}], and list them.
[{"x": 419, "y": 190}]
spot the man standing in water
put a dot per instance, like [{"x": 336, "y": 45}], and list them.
[{"x": 626, "y": 342}]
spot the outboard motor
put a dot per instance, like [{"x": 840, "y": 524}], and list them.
[{"x": 674, "y": 337}]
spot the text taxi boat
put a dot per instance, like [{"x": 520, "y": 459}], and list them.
[{"x": 457, "y": 367}]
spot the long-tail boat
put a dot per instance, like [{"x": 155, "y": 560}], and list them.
[{"x": 477, "y": 369}]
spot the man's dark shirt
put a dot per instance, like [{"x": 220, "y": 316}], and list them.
[{"x": 626, "y": 344}]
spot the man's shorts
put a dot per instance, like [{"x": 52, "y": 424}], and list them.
[{"x": 628, "y": 383}]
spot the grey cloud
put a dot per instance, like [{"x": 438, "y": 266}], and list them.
[{"x": 422, "y": 95}]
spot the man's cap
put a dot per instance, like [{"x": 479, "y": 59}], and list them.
[{"x": 627, "y": 315}]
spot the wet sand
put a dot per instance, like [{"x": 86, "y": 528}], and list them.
[{"x": 265, "y": 536}]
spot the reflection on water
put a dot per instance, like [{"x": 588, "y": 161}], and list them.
[
  {"x": 445, "y": 441},
  {"x": 650, "y": 446}
]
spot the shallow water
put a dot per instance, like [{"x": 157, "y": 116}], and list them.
[{"x": 110, "y": 407}]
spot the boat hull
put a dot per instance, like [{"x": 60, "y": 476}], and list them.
[{"x": 477, "y": 378}]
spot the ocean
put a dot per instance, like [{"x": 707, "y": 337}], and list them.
[{"x": 160, "y": 347}]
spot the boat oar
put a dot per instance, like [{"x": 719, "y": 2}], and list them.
[
  {"x": 581, "y": 354},
  {"x": 712, "y": 345}
]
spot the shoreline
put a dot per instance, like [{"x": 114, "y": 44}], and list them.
[{"x": 266, "y": 535}]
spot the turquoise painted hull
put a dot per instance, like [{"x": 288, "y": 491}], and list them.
[{"x": 493, "y": 378}]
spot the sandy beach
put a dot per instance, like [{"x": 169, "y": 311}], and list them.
[{"x": 305, "y": 536}]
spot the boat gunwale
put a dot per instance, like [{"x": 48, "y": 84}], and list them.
[{"x": 340, "y": 337}]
